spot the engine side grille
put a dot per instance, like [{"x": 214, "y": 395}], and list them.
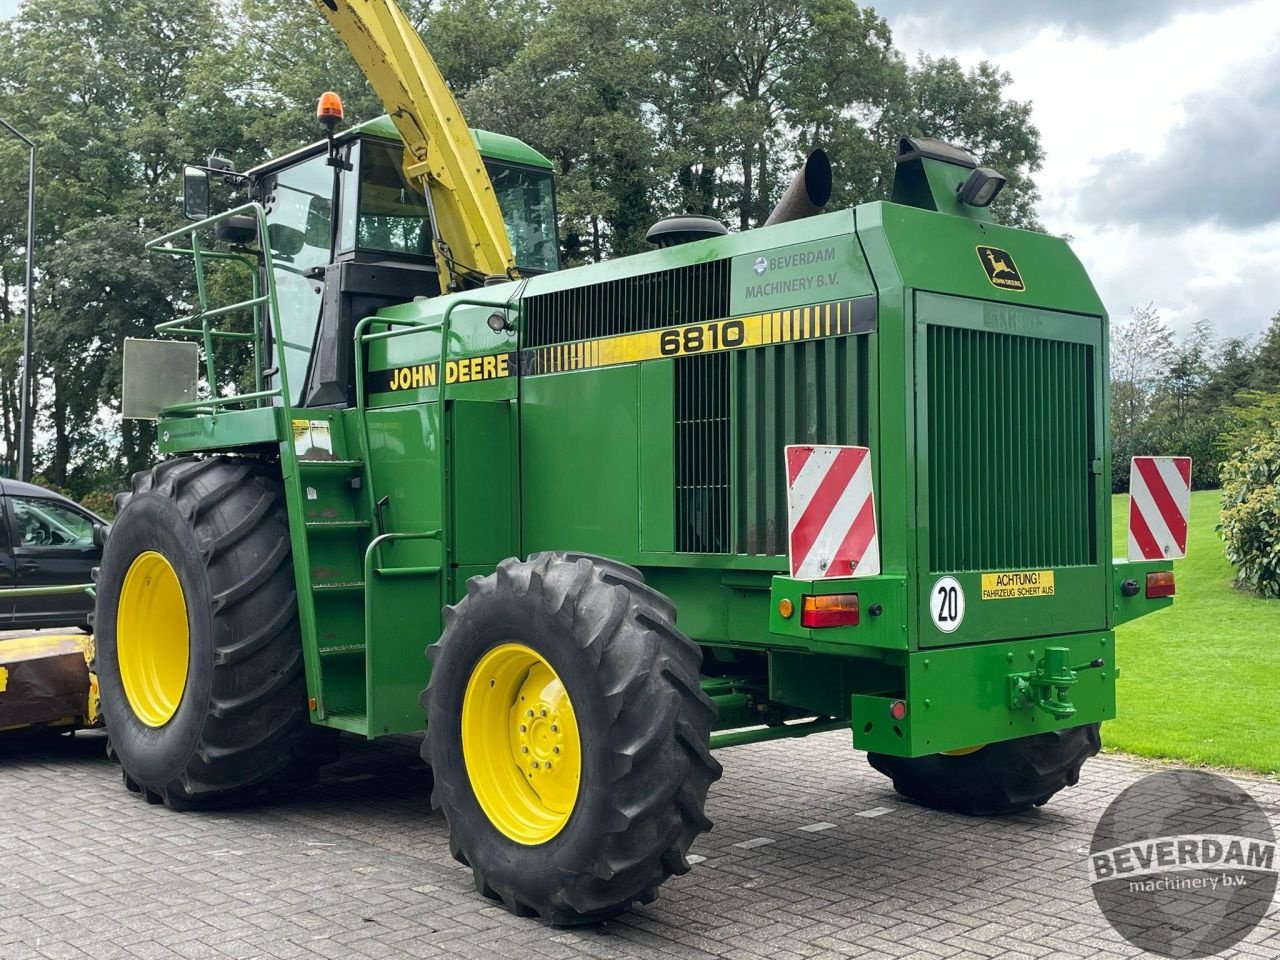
[
  {"x": 810, "y": 392},
  {"x": 702, "y": 453},
  {"x": 691, "y": 294},
  {"x": 1010, "y": 440}
]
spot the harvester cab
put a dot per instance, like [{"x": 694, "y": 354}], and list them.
[
  {"x": 863, "y": 454},
  {"x": 350, "y": 234}
]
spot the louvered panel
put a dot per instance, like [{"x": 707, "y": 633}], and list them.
[
  {"x": 691, "y": 294},
  {"x": 702, "y": 453},
  {"x": 1010, "y": 443},
  {"x": 809, "y": 392}
]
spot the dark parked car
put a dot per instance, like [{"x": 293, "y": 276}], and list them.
[{"x": 45, "y": 540}]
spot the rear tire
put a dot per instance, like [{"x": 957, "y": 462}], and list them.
[
  {"x": 641, "y": 729},
  {"x": 237, "y": 726},
  {"x": 1000, "y": 778}
]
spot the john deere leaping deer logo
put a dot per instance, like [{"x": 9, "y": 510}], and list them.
[{"x": 1001, "y": 270}]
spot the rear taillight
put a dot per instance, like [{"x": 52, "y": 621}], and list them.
[
  {"x": 836, "y": 610},
  {"x": 1160, "y": 584}
]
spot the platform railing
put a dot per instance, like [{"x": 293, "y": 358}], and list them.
[{"x": 203, "y": 324}]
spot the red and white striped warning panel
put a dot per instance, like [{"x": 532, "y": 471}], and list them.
[
  {"x": 831, "y": 513},
  {"x": 1159, "y": 505}
]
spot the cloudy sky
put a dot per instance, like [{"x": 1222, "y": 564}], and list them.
[{"x": 1161, "y": 126}]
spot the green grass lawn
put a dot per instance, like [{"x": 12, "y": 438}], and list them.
[{"x": 1200, "y": 681}]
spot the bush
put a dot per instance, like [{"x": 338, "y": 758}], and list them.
[
  {"x": 101, "y": 502},
  {"x": 1251, "y": 513}
]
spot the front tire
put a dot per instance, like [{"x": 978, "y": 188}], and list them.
[
  {"x": 999, "y": 778},
  {"x": 199, "y": 650},
  {"x": 611, "y": 699}
]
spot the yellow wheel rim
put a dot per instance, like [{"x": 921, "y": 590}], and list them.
[
  {"x": 962, "y": 751},
  {"x": 520, "y": 744},
  {"x": 152, "y": 639}
]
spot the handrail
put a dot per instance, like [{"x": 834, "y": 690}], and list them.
[
  {"x": 407, "y": 326},
  {"x": 371, "y": 552},
  {"x": 361, "y": 398},
  {"x": 187, "y": 326}
]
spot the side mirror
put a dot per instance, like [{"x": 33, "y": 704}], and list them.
[
  {"x": 100, "y": 532},
  {"x": 286, "y": 242},
  {"x": 319, "y": 225},
  {"x": 195, "y": 193}
]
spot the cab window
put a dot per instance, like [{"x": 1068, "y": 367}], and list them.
[
  {"x": 526, "y": 196},
  {"x": 393, "y": 214}
]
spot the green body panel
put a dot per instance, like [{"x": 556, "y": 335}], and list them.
[
  {"x": 959, "y": 697},
  {"x": 229, "y": 429},
  {"x": 639, "y": 408}
]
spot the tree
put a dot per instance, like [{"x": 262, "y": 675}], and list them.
[
  {"x": 1266, "y": 364},
  {"x": 1141, "y": 351},
  {"x": 577, "y": 92},
  {"x": 118, "y": 97},
  {"x": 971, "y": 111}
]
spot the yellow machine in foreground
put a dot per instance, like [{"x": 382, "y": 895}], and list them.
[{"x": 45, "y": 682}]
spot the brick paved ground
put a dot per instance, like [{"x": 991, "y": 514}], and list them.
[{"x": 359, "y": 868}]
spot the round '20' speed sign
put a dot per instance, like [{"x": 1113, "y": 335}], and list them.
[{"x": 946, "y": 604}]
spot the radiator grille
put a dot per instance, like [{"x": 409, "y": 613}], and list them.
[
  {"x": 811, "y": 392},
  {"x": 1010, "y": 440},
  {"x": 702, "y": 453},
  {"x": 691, "y": 294}
]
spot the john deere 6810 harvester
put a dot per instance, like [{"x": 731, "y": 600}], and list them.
[{"x": 849, "y": 471}]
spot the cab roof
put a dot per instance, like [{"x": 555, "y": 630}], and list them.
[{"x": 492, "y": 146}]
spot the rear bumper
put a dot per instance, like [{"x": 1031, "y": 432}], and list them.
[{"x": 982, "y": 693}]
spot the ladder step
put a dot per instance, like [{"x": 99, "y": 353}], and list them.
[
  {"x": 342, "y": 650},
  {"x": 352, "y": 721},
  {"x": 321, "y": 465},
  {"x": 323, "y": 525},
  {"x": 338, "y": 586}
]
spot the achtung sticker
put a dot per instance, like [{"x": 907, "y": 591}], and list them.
[
  {"x": 1017, "y": 586},
  {"x": 492, "y": 366}
]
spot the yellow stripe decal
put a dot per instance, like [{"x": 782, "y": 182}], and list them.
[{"x": 761, "y": 329}]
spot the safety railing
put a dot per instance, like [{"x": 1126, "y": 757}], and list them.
[
  {"x": 203, "y": 323},
  {"x": 405, "y": 327}
]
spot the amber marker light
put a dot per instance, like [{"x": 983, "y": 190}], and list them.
[
  {"x": 786, "y": 608},
  {"x": 329, "y": 110},
  {"x": 1159, "y": 584},
  {"x": 836, "y": 610}
]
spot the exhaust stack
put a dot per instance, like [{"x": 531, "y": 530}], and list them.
[{"x": 808, "y": 193}]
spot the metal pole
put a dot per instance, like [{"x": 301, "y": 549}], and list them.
[{"x": 24, "y": 415}]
